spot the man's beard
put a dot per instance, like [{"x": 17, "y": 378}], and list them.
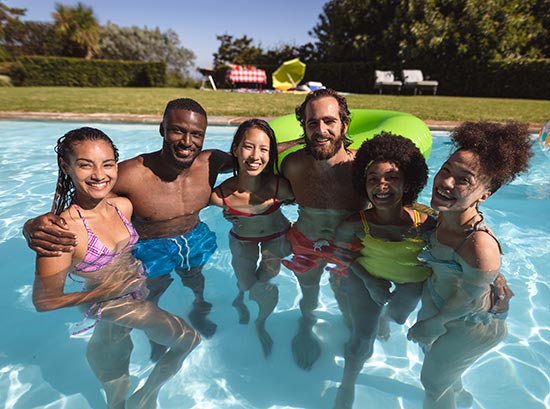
[
  {"x": 181, "y": 163},
  {"x": 324, "y": 152}
]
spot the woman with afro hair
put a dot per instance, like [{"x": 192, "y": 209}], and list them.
[
  {"x": 380, "y": 246},
  {"x": 457, "y": 322}
]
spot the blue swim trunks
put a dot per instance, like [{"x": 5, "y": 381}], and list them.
[{"x": 161, "y": 256}]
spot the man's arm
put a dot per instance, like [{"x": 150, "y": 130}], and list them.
[{"x": 49, "y": 235}]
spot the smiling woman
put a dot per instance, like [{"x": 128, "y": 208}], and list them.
[{"x": 114, "y": 281}]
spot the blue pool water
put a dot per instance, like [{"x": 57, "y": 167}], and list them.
[{"x": 41, "y": 366}]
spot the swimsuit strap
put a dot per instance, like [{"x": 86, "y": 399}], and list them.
[
  {"x": 477, "y": 226},
  {"x": 271, "y": 209},
  {"x": 90, "y": 232},
  {"x": 416, "y": 217},
  {"x": 364, "y": 221}
]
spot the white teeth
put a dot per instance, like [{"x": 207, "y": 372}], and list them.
[
  {"x": 442, "y": 193},
  {"x": 98, "y": 185},
  {"x": 382, "y": 195}
]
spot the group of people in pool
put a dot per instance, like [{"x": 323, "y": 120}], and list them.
[{"x": 357, "y": 219}]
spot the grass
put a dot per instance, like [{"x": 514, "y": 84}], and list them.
[{"x": 235, "y": 104}]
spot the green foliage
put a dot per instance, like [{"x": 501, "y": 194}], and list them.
[
  {"x": 357, "y": 30},
  {"x": 238, "y": 51},
  {"x": 427, "y": 32},
  {"x": 75, "y": 72},
  {"x": 143, "y": 44},
  {"x": 78, "y": 29},
  {"x": 32, "y": 38}
]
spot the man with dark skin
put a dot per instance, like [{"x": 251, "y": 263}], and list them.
[
  {"x": 320, "y": 177},
  {"x": 168, "y": 188}
]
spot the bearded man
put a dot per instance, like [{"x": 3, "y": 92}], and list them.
[{"x": 320, "y": 176}]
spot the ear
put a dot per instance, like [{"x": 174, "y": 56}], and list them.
[
  {"x": 62, "y": 165},
  {"x": 161, "y": 129},
  {"x": 484, "y": 196},
  {"x": 346, "y": 126}
]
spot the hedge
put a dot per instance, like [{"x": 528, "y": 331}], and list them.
[
  {"x": 77, "y": 72},
  {"x": 502, "y": 79}
]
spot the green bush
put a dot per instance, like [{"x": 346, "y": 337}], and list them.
[{"x": 76, "y": 72}]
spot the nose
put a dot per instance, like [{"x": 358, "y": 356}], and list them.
[
  {"x": 447, "y": 181},
  {"x": 255, "y": 154},
  {"x": 323, "y": 127},
  {"x": 99, "y": 173},
  {"x": 186, "y": 138}
]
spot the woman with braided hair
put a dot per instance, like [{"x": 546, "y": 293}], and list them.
[{"x": 114, "y": 281}]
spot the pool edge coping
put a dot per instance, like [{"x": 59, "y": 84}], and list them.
[{"x": 154, "y": 119}]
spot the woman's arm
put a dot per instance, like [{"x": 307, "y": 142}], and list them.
[
  {"x": 480, "y": 256},
  {"x": 49, "y": 282}
]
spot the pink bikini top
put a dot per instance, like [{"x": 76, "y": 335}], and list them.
[{"x": 98, "y": 255}]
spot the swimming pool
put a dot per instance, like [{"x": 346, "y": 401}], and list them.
[{"x": 41, "y": 366}]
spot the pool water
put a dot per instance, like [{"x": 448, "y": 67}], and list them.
[{"x": 41, "y": 366}]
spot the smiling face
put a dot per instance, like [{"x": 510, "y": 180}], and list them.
[
  {"x": 384, "y": 184},
  {"x": 324, "y": 130},
  {"x": 460, "y": 184},
  {"x": 183, "y": 133},
  {"x": 92, "y": 168},
  {"x": 252, "y": 153}
]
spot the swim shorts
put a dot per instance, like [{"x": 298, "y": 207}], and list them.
[
  {"x": 163, "y": 255},
  {"x": 308, "y": 254}
]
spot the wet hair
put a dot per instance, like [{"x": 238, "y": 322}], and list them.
[
  {"x": 256, "y": 123},
  {"x": 504, "y": 150},
  {"x": 343, "y": 109},
  {"x": 387, "y": 147},
  {"x": 65, "y": 189},
  {"x": 185, "y": 104}
]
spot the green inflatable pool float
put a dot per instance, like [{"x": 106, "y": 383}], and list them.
[{"x": 365, "y": 124}]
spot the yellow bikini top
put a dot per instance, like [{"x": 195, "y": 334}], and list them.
[{"x": 394, "y": 260}]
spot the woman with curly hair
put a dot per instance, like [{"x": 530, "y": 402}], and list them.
[
  {"x": 381, "y": 244},
  {"x": 457, "y": 323}
]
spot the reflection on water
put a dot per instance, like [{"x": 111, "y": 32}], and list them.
[{"x": 40, "y": 365}]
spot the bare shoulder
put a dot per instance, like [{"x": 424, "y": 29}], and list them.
[
  {"x": 129, "y": 171},
  {"x": 481, "y": 251},
  {"x": 285, "y": 190},
  {"x": 294, "y": 162},
  {"x": 123, "y": 204},
  {"x": 220, "y": 192}
]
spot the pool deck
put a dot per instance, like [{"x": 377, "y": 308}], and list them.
[{"x": 103, "y": 117}]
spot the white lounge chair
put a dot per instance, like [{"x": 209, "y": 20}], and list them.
[
  {"x": 386, "y": 80},
  {"x": 414, "y": 79}
]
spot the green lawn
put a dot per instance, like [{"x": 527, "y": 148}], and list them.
[{"x": 224, "y": 103}]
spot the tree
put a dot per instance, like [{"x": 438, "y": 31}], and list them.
[
  {"x": 78, "y": 29},
  {"x": 357, "y": 30},
  {"x": 8, "y": 16},
  {"x": 236, "y": 51},
  {"x": 143, "y": 44},
  {"x": 427, "y": 32},
  {"x": 31, "y": 38}
]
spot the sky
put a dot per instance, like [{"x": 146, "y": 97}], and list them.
[{"x": 197, "y": 23}]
